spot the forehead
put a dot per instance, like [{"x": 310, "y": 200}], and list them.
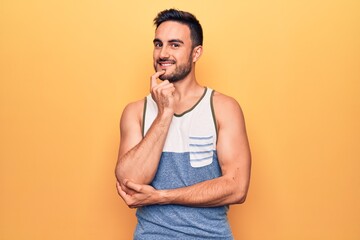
[{"x": 173, "y": 30}]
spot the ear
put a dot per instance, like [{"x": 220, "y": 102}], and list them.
[{"x": 197, "y": 52}]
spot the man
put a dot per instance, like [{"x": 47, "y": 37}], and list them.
[{"x": 184, "y": 154}]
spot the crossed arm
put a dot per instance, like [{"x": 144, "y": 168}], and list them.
[{"x": 139, "y": 157}]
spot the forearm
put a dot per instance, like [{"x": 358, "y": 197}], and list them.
[
  {"x": 140, "y": 163},
  {"x": 216, "y": 192},
  {"x": 231, "y": 188}
]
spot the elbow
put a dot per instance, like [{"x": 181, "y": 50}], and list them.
[
  {"x": 122, "y": 170},
  {"x": 240, "y": 199},
  {"x": 238, "y": 192},
  {"x": 119, "y": 173},
  {"x": 123, "y": 173}
]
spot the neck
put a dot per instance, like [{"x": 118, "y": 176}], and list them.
[{"x": 187, "y": 87}]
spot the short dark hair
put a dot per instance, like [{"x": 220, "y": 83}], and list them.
[{"x": 186, "y": 18}]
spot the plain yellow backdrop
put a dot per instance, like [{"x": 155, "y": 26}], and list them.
[{"x": 68, "y": 68}]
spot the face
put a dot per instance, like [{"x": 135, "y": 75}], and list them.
[{"x": 172, "y": 51}]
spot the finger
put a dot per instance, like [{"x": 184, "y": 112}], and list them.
[
  {"x": 153, "y": 79},
  {"x": 163, "y": 87},
  {"x": 122, "y": 194},
  {"x": 133, "y": 186},
  {"x": 126, "y": 198},
  {"x": 123, "y": 188},
  {"x": 168, "y": 90},
  {"x": 165, "y": 83},
  {"x": 118, "y": 187},
  {"x": 168, "y": 93}
]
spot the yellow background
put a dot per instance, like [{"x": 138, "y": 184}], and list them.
[{"x": 68, "y": 68}]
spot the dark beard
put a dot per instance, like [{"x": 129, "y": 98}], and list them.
[{"x": 180, "y": 72}]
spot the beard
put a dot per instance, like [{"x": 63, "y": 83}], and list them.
[{"x": 179, "y": 73}]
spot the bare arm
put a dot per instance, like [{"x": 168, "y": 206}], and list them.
[
  {"x": 139, "y": 157},
  {"x": 235, "y": 162}
]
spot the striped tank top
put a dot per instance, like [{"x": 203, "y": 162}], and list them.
[{"x": 188, "y": 157}]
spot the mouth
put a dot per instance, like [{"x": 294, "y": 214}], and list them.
[{"x": 165, "y": 64}]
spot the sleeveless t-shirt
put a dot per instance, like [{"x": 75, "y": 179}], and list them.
[{"x": 189, "y": 157}]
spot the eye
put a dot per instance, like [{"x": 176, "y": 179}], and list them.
[
  {"x": 175, "y": 45},
  {"x": 157, "y": 44}
]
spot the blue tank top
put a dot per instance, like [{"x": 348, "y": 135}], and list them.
[{"x": 189, "y": 157}]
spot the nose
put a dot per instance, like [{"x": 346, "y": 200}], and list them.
[{"x": 164, "y": 52}]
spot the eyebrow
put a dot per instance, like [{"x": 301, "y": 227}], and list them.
[
  {"x": 176, "y": 41},
  {"x": 156, "y": 40}
]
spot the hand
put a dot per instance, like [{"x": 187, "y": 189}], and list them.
[
  {"x": 142, "y": 195},
  {"x": 162, "y": 93}
]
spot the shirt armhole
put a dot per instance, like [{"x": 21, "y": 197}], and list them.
[
  {"x": 213, "y": 113},
  {"x": 143, "y": 120}
]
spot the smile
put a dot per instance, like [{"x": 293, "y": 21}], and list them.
[{"x": 166, "y": 63}]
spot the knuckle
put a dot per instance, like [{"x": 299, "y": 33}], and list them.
[{"x": 155, "y": 90}]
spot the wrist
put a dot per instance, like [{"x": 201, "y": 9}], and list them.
[
  {"x": 167, "y": 112},
  {"x": 163, "y": 197},
  {"x": 165, "y": 116}
]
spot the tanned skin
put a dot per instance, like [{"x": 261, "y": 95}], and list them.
[{"x": 139, "y": 156}]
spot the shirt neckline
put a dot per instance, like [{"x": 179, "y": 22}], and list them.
[{"x": 197, "y": 103}]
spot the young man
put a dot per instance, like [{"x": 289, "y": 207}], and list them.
[{"x": 184, "y": 154}]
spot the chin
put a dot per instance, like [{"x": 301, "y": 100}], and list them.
[
  {"x": 164, "y": 77},
  {"x": 170, "y": 78}
]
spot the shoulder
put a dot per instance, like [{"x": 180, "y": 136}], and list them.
[
  {"x": 224, "y": 103},
  {"x": 133, "y": 111},
  {"x": 226, "y": 108},
  {"x": 135, "y": 106}
]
